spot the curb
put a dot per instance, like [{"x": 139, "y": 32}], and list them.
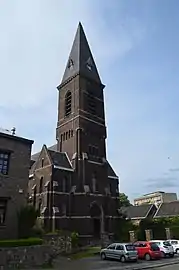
[{"x": 153, "y": 266}]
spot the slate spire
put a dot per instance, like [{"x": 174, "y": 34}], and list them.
[{"x": 80, "y": 59}]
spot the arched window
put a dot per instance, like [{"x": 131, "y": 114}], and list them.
[
  {"x": 94, "y": 184},
  {"x": 68, "y": 99},
  {"x": 41, "y": 185}
]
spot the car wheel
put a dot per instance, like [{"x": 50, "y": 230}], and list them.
[
  {"x": 147, "y": 257},
  {"x": 123, "y": 259},
  {"x": 103, "y": 256},
  {"x": 171, "y": 255},
  {"x": 163, "y": 254}
]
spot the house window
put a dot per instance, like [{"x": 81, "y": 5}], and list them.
[
  {"x": 68, "y": 99},
  {"x": 4, "y": 162},
  {"x": 41, "y": 185},
  {"x": 3, "y": 206}
]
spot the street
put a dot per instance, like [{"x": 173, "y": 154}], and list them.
[
  {"x": 95, "y": 263},
  {"x": 170, "y": 267}
]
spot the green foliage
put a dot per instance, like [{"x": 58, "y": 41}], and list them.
[
  {"x": 21, "y": 242},
  {"x": 123, "y": 200},
  {"x": 27, "y": 217},
  {"x": 74, "y": 239},
  {"x": 158, "y": 227},
  {"x": 123, "y": 228}
]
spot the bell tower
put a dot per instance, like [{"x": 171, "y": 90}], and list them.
[{"x": 81, "y": 130}]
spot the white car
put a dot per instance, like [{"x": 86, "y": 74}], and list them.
[
  {"x": 165, "y": 247},
  {"x": 175, "y": 244},
  {"x": 120, "y": 251}
]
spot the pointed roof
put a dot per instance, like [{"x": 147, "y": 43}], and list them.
[{"x": 80, "y": 59}]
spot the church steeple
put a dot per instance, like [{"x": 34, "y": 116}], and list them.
[{"x": 80, "y": 60}]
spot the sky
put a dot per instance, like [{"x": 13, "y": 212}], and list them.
[{"x": 135, "y": 46}]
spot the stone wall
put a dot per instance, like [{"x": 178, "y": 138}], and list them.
[
  {"x": 58, "y": 243},
  {"x": 25, "y": 257}
]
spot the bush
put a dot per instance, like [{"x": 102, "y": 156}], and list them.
[
  {"x": 27, "y": 217},
  {"x": 74, "y": 239},
  {"x": 21, "y": 242}
]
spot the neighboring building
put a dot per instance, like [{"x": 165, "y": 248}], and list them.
[
  {"x": 72, "y": 183},
  {"x": 137, "y": 213},
  {"x": 15, "y": 155},
  {"x": 156, "y": 198},
  {"x": 170, "y": 209}
]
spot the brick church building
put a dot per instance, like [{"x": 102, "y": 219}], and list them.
[{"x": 72, "y": 183}]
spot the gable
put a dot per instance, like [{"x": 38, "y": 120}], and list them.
[{"x": 43, "y": 159}]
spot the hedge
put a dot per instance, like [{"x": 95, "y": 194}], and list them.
[{"x": 21, "y": 242}]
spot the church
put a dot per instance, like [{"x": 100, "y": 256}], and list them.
[{"x": 72, "y": 183}]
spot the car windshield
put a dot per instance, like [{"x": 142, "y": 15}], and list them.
[
  {"x": 174, "y": 242},
  {"x": 166, "y": 243},
  {"x": 154, "y": 247},
  {"x": 130, "y": 247}
]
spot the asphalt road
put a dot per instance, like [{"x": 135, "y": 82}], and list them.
[
  {"x": 170, "y": 267},
  {"x": 95, "y": 263}
]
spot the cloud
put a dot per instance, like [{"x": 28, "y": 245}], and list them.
[
  {"x": 162, "y": 182},
  {"x": 174, "y": 170},
  {"x": 36, "y": 37}
]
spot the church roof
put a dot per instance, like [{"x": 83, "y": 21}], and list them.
[
  {"x": 60, "y": 159},
  {"x": 111, "y": 172},
  {"x": 53, "y": 149},
  {"x": 80, "y": 59},
  {"x": 137, "y": 212},
  {"x": 168, "y": 209}
]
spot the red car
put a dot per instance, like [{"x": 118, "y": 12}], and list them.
[{"x": 147, "y": 250}]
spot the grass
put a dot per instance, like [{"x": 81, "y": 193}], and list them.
[
  {"x": 21, "y": 242},
  {"x": 89, "y": 252}
]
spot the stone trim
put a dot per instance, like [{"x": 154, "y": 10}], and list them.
[
  {"x": 94, "y": 162},
  {"x": 63, "y": 168},
  {"x": 113, "y": 177},
  {"x": 75, "y": 217},
  {"x": 76, "y": 193},
  {"x": 78, "y": 116}
]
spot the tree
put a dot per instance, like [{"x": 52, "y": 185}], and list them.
[
  {"x": 123, "y": 200},
  {"x": 27, "y": 217}
]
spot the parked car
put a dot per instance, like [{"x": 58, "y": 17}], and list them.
[
  {"x": 175, "y": 244},
  {"x": 165, "y": 247},
  {"x": 120, "y": 251},
  {"x": 147, "y": 250}
]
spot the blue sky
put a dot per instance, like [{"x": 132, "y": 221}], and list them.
[{"x": 135, "y": 45}]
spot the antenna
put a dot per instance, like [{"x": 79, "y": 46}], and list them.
[{"x": 13, "y": 130}]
